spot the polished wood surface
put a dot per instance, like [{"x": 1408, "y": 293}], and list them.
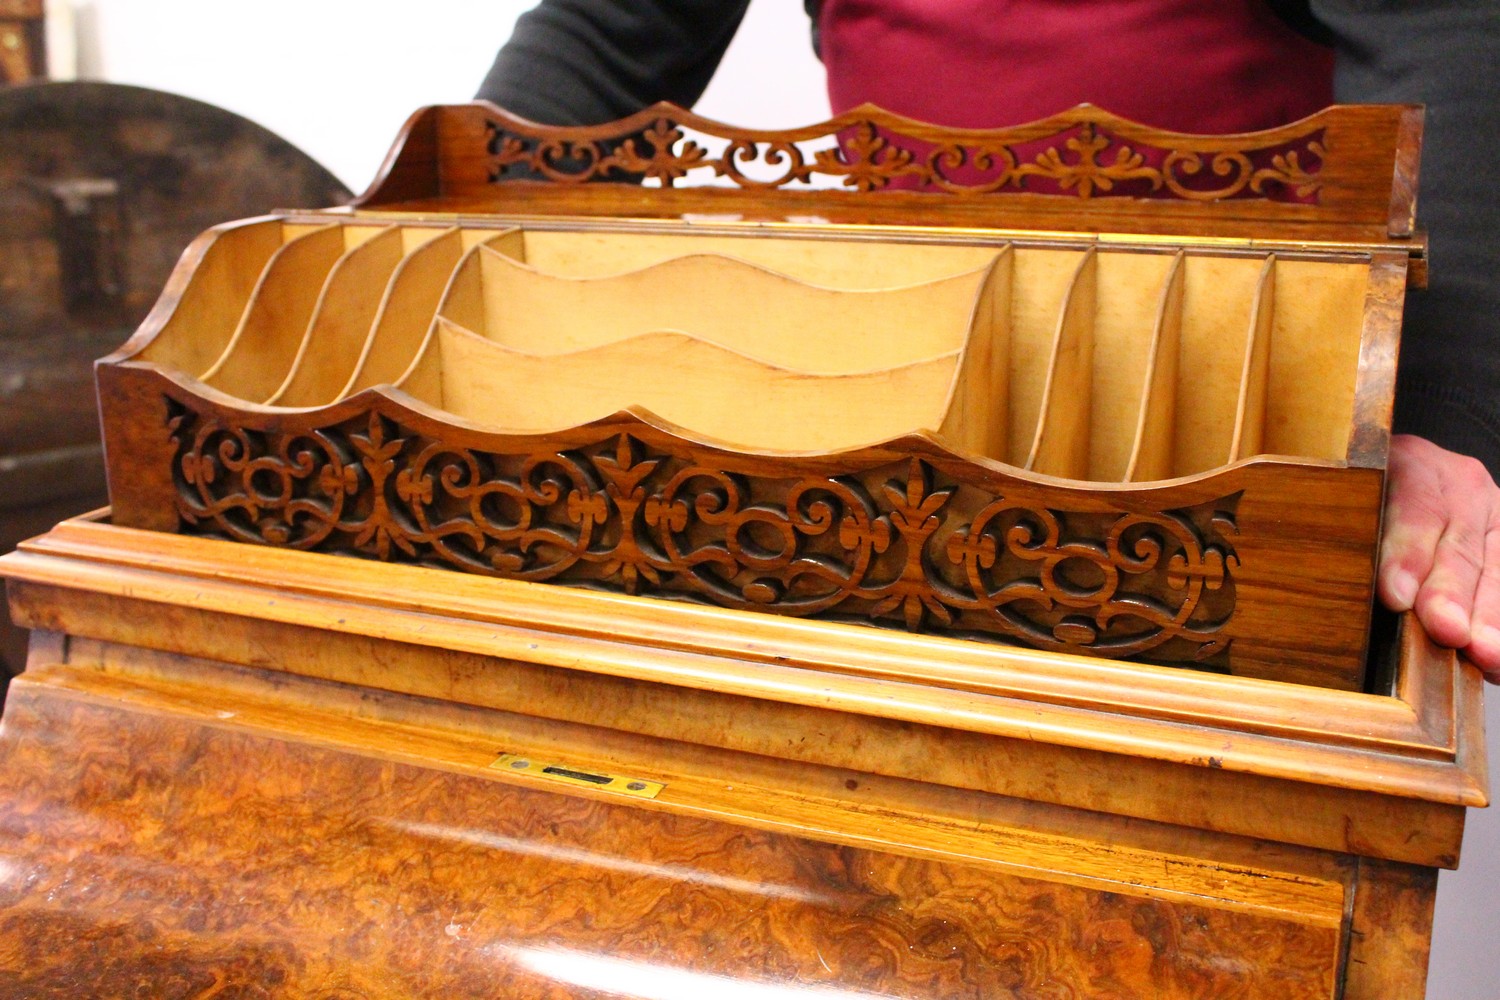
[
  {"x": 278, "y": 772},
  {"x": 317, "y": 870}
]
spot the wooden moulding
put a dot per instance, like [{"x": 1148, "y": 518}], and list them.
[
  {"x": 1346, "y": 174},
  {"x": 1385, "y": 776}
]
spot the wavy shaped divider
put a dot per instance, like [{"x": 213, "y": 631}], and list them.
[
  {"x": 343, "y": 317},
  {"x": 847, "y": 264},
  {"x": 737, "y": 305},
  {"x": 265, "y": 343},
  {"x": 227, "y": 264},
  {"x": 771, "y": 363},
  {"x": 694, "y": 384}
]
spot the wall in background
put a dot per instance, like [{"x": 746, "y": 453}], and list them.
[{"x": 339, "y": 78}]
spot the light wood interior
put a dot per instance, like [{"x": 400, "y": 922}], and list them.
[
  {"x": 488, "y": 382},
  {"x": 1106, "y": 364},
  {"x": 754, "y": 311},
  {"x": 849, "y": 264}
]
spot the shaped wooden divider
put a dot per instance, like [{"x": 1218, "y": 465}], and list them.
[
  {"x": 1151, "y": 453},
  {"x": 261, "y": 352},
  {"x": 205, "y": 317},
  {"x": 693, "y": 383},
  {"x": 343, "y": 318},
  {"x": 1250, "y": 408},
  {"x": 1102, "y": 365},
  {"x": 1061, "y": 444},
  {"x": 408, "y": 306},
  {"x": 815, "y": 369},
  {"x": 737, "y": 305},
  {"x": 849, "y": 264}
]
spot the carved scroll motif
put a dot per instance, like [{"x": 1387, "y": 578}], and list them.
[
  {"x": 897, "y": 541},
  {"x": 1087, "y": 160}
]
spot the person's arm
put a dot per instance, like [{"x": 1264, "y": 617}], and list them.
[
  {"x": 1441, "y": 551},
  {"x": 585, "y": 62}
]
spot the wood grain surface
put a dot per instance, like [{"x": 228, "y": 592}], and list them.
[
  {"x": 281, "y": 868},
  {"x": 1231, "y": 754}
]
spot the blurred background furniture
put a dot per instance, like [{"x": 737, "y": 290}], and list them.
[{"x": 101, "y": 188}]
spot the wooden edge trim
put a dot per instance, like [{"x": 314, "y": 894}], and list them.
[
  {"x": 1434, "y": 694},
  {"x": 1287, "y": 248},
  {"x": 1379, "y": 344},
  {"x": 539, "y": 624},
  {"x": 410, "y": 168},
  {"x": 1015, "y": 671},
  {"x": 1471, "y": 747},
  {"x": 1403, "y": 214}
]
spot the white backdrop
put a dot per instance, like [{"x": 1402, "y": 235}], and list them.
[{"x": 338, "y": 77}]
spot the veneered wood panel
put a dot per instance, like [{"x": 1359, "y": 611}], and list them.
[{"x": 313, "y": 868}]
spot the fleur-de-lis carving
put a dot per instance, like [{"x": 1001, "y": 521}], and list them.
[
  {"x": 667, "y": 161},
  {"x": 866, "y": 159},
  {"x": 1084, "y": 172}
]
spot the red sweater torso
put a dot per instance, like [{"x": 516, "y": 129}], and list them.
[{"x": 1185, "y": 65}]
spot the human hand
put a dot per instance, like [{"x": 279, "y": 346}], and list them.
[{"x": 1441, "y": 550}]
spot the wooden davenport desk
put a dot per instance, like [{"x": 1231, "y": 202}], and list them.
[{"x": 1030, "y": 662}]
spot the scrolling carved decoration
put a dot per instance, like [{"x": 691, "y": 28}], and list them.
[
  {"x": 1086, "y": 154},
  {"x": 920, "y": 540}
]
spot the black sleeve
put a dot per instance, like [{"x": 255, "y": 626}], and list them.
[
  {"x": 1441, "y": 54},
  {"x": 584, "y": 62}
]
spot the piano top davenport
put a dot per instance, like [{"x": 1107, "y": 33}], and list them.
[{"x": 546, "y": 580}]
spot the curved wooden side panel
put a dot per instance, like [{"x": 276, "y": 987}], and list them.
[
  {"x": 405, "y": 314},
  {"x": 198, "y": 314},
  {"x": 1061, "y": 444},
  {"x": 1250, "y": 410},
  {"x": 1263, "y": 568},
  {"x": 1152, "y": 449},
  {"x": 260, "y": 353},
  {"x": 341, "y": 321}
]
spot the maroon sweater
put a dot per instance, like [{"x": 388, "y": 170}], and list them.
[{"x": 1233, "y": 65}]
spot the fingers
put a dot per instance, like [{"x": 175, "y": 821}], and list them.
[
  {"x": 1484, "y": 632},
  {"x": 1441, "y": 550},
  {"x": 1445, "y": 600},
  {"x": 1414, "y": 522}
]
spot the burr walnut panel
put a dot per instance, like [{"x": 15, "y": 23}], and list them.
[{"x": 310, "y": 871}]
